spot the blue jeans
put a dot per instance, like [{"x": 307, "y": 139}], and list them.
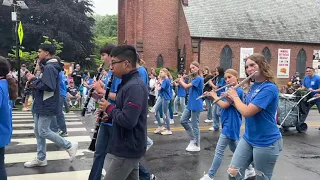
[
  {"x": 209, "y": 107},
  {"x": 170, "y": 107},
  {"x": 144, "y": 173},
  {"x": 177, "y": 101},
  {"x": 42, "y": 132},
  {"x": 216, "y": 116},
  {"x": 60, "y": 121},
  {"x": 263, "y": 158},
  {"x": 193, "y": 129},
  {"x": 164, "y": 104},
  {"x": 3, "y": 173},
  {"x": 102, "y": 144}
]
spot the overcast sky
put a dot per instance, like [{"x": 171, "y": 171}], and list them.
[{"x": 104, "y": 7}]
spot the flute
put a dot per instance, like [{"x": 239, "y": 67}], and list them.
[
  {"x": 85, "y": 107},
  {"x": 228, "y": 85},
  {"x": 210, "y": 80},
  {"x": 313, "y": 98},
  {"x": 92, "y": 146},
  {"x": 176, "y": 80},
  {"x": 239, "y": 85}
]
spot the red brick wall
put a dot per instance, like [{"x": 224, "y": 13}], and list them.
[
  {"x": 211, "y": 50},
  {"x": 121, "y": 20}
]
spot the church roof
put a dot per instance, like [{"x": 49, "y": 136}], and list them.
[{"x": 270, "y": 20}]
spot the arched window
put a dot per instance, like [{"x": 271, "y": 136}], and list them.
[
  {"x": 226, "y": 58},
  {"x": 301, "y": 63},
  {"x": 159, "y": 61},
  {"x": 267, "y": 54}
]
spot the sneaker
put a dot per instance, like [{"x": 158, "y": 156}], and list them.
[
  {"x": 175, "y": 114},
  {"x": 213, "y": 129},
  {"x": 250, "y": 173},
  {"x": 206, "y": 177},
  {"x": 166, "y": 132},
  {"x": 190, "y": 144},
  {"x": 171, "y": 121},
  {"x": 25, "y": 109},
  {"x": 73, "y": 151},
  {"x": 159, "y": 130},
  {"x": 36, "y": 163},
  {"x": 153, "y": 177},
  {"x": 155, "y": 122},
  {"x": 63, "y": 134},
  {"x": 208, "y": 121},
  {"x": 193, "y": 148},
  {"x": 148, "y": 116}
]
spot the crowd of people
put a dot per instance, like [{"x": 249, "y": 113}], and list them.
[{"x": 122, "y": 139}]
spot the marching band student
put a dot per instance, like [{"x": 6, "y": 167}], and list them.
[
  {"x": 128, "y": 116},
  {"x": 219, "y": 82},
  {"x": 8, "y": 93},
  {"x": 231, "y": 122},
  {"x": 194, "y": 107},
  {"x": 180, "y": 97},
  {"x": 262, "y": 141},
  {"x": 165, "y": 96},
  {"x": 207, "y": 76}
]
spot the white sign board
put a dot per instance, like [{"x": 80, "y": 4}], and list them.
[
  {"x": 244, "y": 53},
  {"x": 283, "y": 68}
]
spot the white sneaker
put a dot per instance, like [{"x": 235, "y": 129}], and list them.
[
  {"x": 206, "y": 177},
  {"x": 175, "y": 114},
  {"x": 208, "y": 121},
  {"x": 73, "y": 151},
  {"x": 211, "y": 129},
  {"x": 171, "y": 121},
  {"x": 250, "y": 173},
  {"x": 159, "y": 130},
  {"x": 190, "y": 144},
  {"x": 36, "y": 163},
  {"x": 193, "y": 148},
  {"x": 155, "y": 122},
  {"x": 166, "y": 132},
  {"x": 148, "y": 116}
]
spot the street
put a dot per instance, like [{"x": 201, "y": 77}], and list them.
[{"x": 167, "y": 158}]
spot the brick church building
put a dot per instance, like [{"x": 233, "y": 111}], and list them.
[{"x": 172, "y": 33}]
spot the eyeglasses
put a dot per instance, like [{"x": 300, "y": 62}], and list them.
[{"x": 116, "y": 62}]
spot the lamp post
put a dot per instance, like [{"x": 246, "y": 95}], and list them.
[{"x": 14, "y": 17}]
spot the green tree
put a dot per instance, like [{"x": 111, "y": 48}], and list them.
[{"x": 106, "y": 26}]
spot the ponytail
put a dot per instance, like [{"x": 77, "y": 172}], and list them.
[{"x": 12, "y": 87}]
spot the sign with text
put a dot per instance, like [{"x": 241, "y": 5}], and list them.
[
  {"x": 244, "y": 54},
  {"x": 283, "y": 67}
]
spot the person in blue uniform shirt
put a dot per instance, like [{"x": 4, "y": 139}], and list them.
[{"x": 262, "y": 140}]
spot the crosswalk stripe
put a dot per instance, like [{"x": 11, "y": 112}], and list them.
[
  {"x": 78, "y": 175},
  {"x": 32, "y": 125},
  {"x": 32, "y": 131},
  {"x": 27, "y": 141},
  {"x": 51, "y": 155}
]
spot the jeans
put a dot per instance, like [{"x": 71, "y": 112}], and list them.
[
  {"x": 144, "y": 173},
  {"x": 216, "y": 116},
  {"x": 209, "y": 107},
  {"x": 3, "y": 173},
  {"x": 59, "y": 122},
  {"x": 102, "y": 144},
  {"x": 263, "y": 158},
  {"x": 193, "y": 129},
  {"x": 120, "y": 168},
  {"x": 177, "y": 101},
  {"x": 170, "y": 107},
  {"x": 42, "y": 132},
  {"x": 66, "y": 105},
  {"x": 164, "y": 103}
]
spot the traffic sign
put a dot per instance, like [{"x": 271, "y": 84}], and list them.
[{"x": 20, "y": 33}]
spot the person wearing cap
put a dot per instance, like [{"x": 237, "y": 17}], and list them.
[{"x": 77, "y": 76}]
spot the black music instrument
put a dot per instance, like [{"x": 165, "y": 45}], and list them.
[
  {"x": 92, "y": 146},
  {"x": 85, "y": 107},
  {"x": 27, "y": 85}
]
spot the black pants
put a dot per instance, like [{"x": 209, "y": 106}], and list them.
[
  {"x": 152, "y": 100},
  {"x": 3, "y": 173}
]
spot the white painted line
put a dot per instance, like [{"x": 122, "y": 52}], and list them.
[
  {"x": 51, "y": 155},
  {"x": 32, "y": 124},
  {"x": 77, "y": 175},
  {"x": 28, "y": 141},
  {"x": 31, "y": 117},
  {"x": 31, "y": 120},
  {"x": 29, "y": 112},
  {"x": 32, "y": 131}
]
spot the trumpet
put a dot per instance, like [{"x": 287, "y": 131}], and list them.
[
  {"x": 228, "y": 85},
  {"x": 210, "y": 80},
  {"x": 176, "y": 80},
  {"x": 239, "y": 85}
]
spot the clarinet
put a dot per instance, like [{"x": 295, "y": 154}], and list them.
[
  {"x": 92, "y": 146},
  {"x": 85, "y": 107}
]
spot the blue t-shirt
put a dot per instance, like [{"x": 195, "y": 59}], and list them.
[
  {"x": 261, "y": 129},
  {"x": 166, "y": 89},
  {"x": 114, "y": 87},
  {"x": 313, "y": 83},
  {"x": 220, "y": 82},
  {"x": 143, "y": 75},
  {"x": 194, "y": 92},
  {"x": 63, "y": 86},
  {"x": 181, "y": 91},
  {"x": 6, "y": 114},
  {"x": 231, "y": 119}
]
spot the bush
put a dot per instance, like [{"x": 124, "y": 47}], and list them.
[{"x": 173, "y": 72}]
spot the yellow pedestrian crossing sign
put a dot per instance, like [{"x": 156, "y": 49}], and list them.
[{"x": 20, "y": 33}]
